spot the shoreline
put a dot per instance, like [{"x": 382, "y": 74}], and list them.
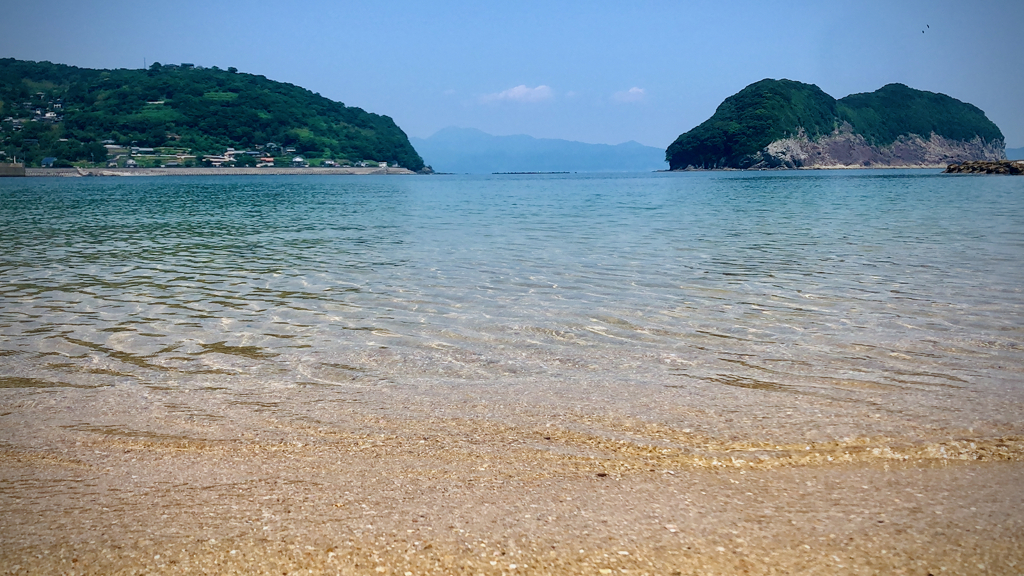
[
  {"x": 86, "y": 172},
  {"x": 838, "y": 167},
  {"x": 146, "y": 488}
]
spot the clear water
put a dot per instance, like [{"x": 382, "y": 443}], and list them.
[{"x": 809, "y": 304}]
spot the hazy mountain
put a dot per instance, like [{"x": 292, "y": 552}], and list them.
[
  {"x": 1015, "y": 153},
  {"x": 467, "y": 150}
]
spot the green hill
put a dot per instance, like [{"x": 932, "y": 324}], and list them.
[
  {"x": 894, "y": 110},
  {"x": 737, "y": 135},
  {"x": 203, "y": 109}
]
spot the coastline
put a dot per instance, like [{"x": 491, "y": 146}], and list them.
[{"x": 81, "y": 172}]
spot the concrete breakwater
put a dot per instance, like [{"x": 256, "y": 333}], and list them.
[
  {"x": 78, "y": 172},
  {"x": 1009, "y": 167},
  {"x": 12, "y": 170}
]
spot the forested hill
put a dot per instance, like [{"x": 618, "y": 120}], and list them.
[
  {"x": 765, "y": 124},
  {"x": 203, "y": 109}
]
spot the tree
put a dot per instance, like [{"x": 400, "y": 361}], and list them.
[
  {"x": 207, "y": 109},
  {"x": 94, "y": 152},
  {"x": 243, "y": 160}
]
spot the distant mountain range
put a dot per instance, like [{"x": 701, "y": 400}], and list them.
[
  {"x": 467, "y": 150},
  {"x": 1015, "y": 153}
]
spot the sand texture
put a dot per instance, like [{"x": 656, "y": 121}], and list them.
[{"x": 140, "y": 491}]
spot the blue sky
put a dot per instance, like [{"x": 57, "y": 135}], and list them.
[{"x": 601, "y": 72}]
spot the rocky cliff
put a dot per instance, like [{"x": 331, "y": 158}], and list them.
[
  {"x": 845, "y": 149},
  {"x": 788, "y": 124}
]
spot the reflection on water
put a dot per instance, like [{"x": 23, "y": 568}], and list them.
[{"x": 890, "y": 292}]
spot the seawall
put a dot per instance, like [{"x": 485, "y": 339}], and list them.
[
  {"x": 12, "y": 170},
  {"x": 77, "y": 172}
]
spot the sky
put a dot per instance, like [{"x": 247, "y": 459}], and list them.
[{"x": 594, "y": 71}]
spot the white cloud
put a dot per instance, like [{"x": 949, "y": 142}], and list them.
[
  {"x": 521, "y": 93},
  {"x": 634, "y": 94}
]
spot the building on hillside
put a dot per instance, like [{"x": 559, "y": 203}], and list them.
[
  {"x": 299, "y": 162},
  {"x": 48, "y": 162}
]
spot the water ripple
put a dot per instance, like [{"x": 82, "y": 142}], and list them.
[{"x": 836, "y": 285}]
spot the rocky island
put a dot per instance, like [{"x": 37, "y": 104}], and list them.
[{"x": 789, "y": 124}]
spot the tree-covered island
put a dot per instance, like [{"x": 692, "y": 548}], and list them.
[
  {"x": 784, "y": 123},
  {"x": 183, "y": 115}
]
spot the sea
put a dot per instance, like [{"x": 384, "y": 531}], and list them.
[{"x": 789, "y": 306}]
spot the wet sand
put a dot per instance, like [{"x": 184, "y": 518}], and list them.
[{"x": 114, "y": 481}]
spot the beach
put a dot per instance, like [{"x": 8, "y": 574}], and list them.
[
  {"x": 141, "y": 490},
  {"x": 676, "y": 373}
]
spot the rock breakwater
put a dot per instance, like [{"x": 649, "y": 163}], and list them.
[{"x": 1008, "y": 167}]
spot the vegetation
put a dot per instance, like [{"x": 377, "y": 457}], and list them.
[
  {"x": 749, "y": 120},
  {"x": 204, "y": 110},
  {"x": 769, "y": 110},
  {"x": 895, "y": 110}
]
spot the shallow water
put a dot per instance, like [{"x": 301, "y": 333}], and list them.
[{"x": 820, "y": 305}]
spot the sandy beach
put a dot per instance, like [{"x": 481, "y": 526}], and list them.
[
  {"x": 245, "y": 489},
  {"x": 800, "y": 373}
]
